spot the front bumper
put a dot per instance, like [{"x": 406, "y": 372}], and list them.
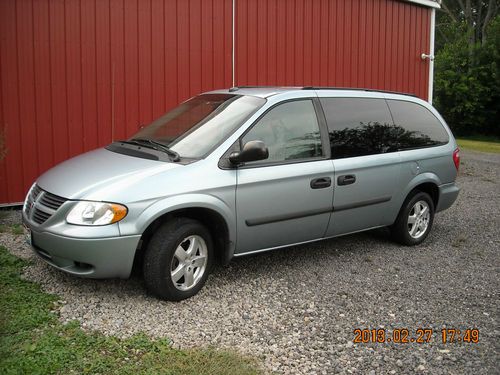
[
  {"x": 448, "y": 194},
  {"x": 97, "y": 258}
]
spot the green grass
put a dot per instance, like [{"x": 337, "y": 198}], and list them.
[
  {"x": 17, "y": 229},
  {"x": 14, "y": 229},
  {"x": 480, "y": 143},
  {"x": 32, "y": 340}
]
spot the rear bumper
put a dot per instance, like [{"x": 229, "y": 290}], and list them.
[
  {"x": 98, "y": 258},
  {"x": 448, "y": 194}
]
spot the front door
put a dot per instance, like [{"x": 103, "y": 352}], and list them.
[{"x": 286, "y": 198}]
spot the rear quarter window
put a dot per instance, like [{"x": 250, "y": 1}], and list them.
[{"x": 421, "y": 127}]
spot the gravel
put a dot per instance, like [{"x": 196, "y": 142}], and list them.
[{"x": 296, "y": 309}]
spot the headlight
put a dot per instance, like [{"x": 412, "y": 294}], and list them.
[{"x": 96, "y": 213}]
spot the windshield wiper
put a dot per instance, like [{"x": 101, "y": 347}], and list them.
[{"x": 155, "y": 146}]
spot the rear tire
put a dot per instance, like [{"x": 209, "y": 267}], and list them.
[
  {"x": 415, "y": 219},
  {"x": 178, "y": 259}
]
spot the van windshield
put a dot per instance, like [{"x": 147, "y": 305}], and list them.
[{"x": 198, "y": 125}]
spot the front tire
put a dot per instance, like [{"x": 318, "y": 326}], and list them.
[
  {"x": 178, "y": 259},
  {"x": 415, "y": 219}
]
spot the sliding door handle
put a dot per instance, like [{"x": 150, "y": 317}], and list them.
[
  {"x": 347, "y": 179},
  {"x": 321, "y": 183}
]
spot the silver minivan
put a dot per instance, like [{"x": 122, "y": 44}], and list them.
[{"x": 241, "y": 171}]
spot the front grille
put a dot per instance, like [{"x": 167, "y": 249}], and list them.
[
  {"x": 40, "y": 216},
  {"x": 41, "y": 205},
  {"x": 51, "y": 200},
  {"x": 35, "y": 192}
]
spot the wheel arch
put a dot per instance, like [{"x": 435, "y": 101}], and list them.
[
  {"x": 430, "y": 188},
  {"x": 211, "y": 212},
  {"x": 426, "y": 182}
]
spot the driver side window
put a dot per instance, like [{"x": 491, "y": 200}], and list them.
[{"x": 290, "y": 131}]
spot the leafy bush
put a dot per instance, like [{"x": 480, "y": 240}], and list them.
[{"x": 467, "y": 83}]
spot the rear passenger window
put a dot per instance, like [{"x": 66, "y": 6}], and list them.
[
  {"x": 421, "y": 127},
  {"x": 359, "y": 126}
]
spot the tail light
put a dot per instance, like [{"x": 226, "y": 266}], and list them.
[{"x": 456, "y": 157}]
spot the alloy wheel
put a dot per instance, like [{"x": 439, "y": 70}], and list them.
[
  {"x": 418, "y": 219},
  {"x": 189, "y": 262}
]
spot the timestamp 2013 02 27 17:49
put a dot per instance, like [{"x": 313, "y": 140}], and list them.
[{"x": 419, "y": 336}]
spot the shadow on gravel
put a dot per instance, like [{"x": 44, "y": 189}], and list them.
[{"x": 333, "y": 248}]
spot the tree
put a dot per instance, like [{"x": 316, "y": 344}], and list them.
[
  {"x": 475, "y": 15},
  {"x": 467, "y": 81}
]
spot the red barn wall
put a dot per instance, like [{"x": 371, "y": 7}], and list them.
[
  {"x": 348, "y": 43},
  {"x": 76, "y": 74}
]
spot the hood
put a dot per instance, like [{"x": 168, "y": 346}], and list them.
[{"x": 99, "y": 175}]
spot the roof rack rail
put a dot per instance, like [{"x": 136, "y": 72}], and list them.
[
  {"x": 236, "y": 88},
  {"x": 356, "y": 89}
]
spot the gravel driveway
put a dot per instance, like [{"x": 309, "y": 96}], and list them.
[{"x": 296, "y": 309}]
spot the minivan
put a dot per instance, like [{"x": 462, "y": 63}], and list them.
[{"x": 240, "y": 171}]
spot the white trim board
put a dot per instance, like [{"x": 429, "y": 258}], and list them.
[
  {"x": 427, "y": 3},
  {"x": 431, "y": 53}
]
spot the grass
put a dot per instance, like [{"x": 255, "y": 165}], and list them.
[
  {"x": 32, "y": 340},
  {"x": 15, "y": 229},
  {"x": 480, "y": 143}
]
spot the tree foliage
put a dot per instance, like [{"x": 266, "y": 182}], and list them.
[
  {"x": 467, "y": 78},
  {"x": 473, "y": 17}
]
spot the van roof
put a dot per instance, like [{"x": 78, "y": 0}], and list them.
[{"x": 267, "y": 91}]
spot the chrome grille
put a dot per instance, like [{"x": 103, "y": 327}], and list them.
[{"x": 41, "y": 205}]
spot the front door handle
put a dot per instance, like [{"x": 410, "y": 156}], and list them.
[
  {"x": 321, "y": 183},
  {"x": 346, "y": 179}
]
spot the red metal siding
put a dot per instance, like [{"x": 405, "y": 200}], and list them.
[
  {"x": 347, "y": 43},
  {"x": 75, "y": 74}
]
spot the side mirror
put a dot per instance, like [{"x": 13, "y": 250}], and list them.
[{"x": 252, "y": 151}]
